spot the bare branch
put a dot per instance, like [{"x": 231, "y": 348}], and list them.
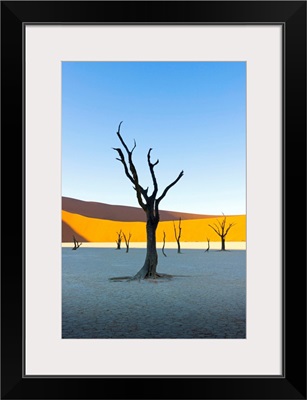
[
  {"x": 147, "y": 202},
  {"x": 169, "y": 186},
  {"x": 215, "y": 230},
  {"x": 133, "y": 177},
  {"x": 123, "y": 161},
  {"x": 151, "y": 168},
  {"x": 230, "y": 225},
  {"x": 121, "y": 139},
  {"x": 217, "y": 227},
  {"x": 125, "y": 238},
  {"x": 118, "y": 129},
  {"x": 221, "y": 224}
]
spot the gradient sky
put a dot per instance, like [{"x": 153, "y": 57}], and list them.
[{"x": 192, "y": 114}]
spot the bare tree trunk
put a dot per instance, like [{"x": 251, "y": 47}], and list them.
[
  {"x": 164, "y": 236},
  {"x": 223, "y": 243},
  {"x": 76, "y": 244},
  {"x": 178, "y": 236},
  {"x": 127, "y": 241},
  {"x": 119, "y": 240},
  {"x": 149, "y": 269},
  {"x": 208, "y": 248}
]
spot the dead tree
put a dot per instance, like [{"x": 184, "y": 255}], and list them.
[
  {"x": 208, "y": 248},
  {"x": 221, "y": 230},
  {"x": 178, "y": 235},
  {"x": 149, "y": 203},
  {"x": 164, "y": 236},
  {"x": 127, "y": 241},
  {"x": 76, "y": 243},
  {"x": 119, "y": 240}
]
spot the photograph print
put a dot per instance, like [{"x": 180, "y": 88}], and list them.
[{"x": 154, "y": 200}]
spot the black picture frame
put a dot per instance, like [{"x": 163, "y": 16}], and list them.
[{"x": 292, "y": 16}]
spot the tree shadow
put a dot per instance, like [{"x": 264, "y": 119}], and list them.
[{"x": 159, "y": 277}]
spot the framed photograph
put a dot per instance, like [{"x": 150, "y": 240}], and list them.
[{"x": 165, "y": 143}]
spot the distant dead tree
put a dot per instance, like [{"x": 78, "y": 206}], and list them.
[
  {"x": 119, "y": 240},
  {"x": 76, "y": 243},
  {"x": 221, "y": 230},
  {"x": 149, "y": 203},
  {"x": 208, "y": 248},
  {"x": 164, "y": 236},
  {"x": 178, "y": 235},
  {"x": 127, "y": 241}
]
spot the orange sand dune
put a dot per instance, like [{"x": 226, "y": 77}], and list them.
[
  {"x": 119, "y": 213},
  {"x": 68, "y": 232},
  {"x": 193, "y": 230}
]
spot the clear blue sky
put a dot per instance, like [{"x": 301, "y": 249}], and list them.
[{"x": 192, "y": 114}]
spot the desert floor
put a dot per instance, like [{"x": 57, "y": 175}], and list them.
[{"x": 205, "y": 299}]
